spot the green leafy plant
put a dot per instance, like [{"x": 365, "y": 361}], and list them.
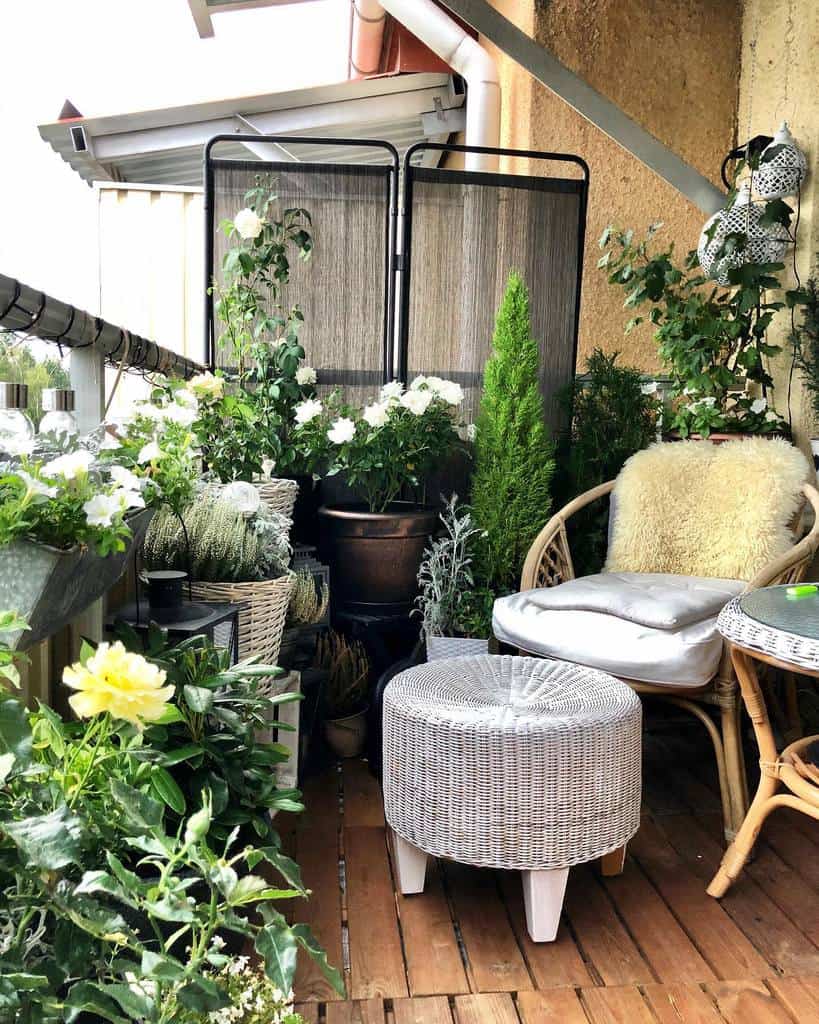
[
  {"x": 805, "y": 341},
  {"x": 10, "y": 622},
  {"x": 445, "y": 579},
  {"x": 613, "y": 415},
  {"x": 216, "y": 542},
  {"x": 514, "y": 456},
  {"x": 348, "y": 669},
  {"x": 387, "y": 449},
  {"x": 713, "y": 340}
]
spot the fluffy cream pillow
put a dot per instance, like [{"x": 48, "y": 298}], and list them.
[{"x": 694, "y": 508}]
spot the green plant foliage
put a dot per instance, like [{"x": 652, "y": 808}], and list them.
[
  {"x": 612, "y": 417},
  {"x": 712, "y": 339},
  {"x": 348, "y": 669},
  {"x": 514, "y": 456},
  {"x": 805, "y": 341}
]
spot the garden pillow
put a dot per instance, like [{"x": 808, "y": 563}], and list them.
[{"x": 693, "y": 508}]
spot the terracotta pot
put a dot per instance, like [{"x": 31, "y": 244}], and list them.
[
  {"x": 374, "y": 556},
  {"x": 346, "y": 736}
]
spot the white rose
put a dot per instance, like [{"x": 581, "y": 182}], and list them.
[
  {"x": 392, "y": 391},
  {"x": 649, "y": 388},
  {"x": 101, "y": 509},
  {"x": 342, "y": 431},
  {"x": 244, "y": 497},
  {"x": 36, "y": 486},
  {"x": 420, "y": 382},
  {"x": 149, "y": 452},
  {"x": 759, "y": 405},
  {"x": 376, "y": 414},
  {"x": 69, "y": 466},
  {"x": 417, "y": 401},
  {"x": 125, "y": 478},
  {"x": 306, "y": 375},
  {"x": 247, "y": 223},
  {"x": 307, "y": 410},
  {"x": 205, "y": 385},
  {"x": 450, "y": 391}
]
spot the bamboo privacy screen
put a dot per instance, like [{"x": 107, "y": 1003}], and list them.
[{"x": 462, "y": 234}]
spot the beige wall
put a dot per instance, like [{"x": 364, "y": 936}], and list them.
[
  {"x": 780, "y": 74},
  {"x": 673, "y": 67}
]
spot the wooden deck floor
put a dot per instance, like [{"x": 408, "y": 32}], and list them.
[{"x": 648, "y": 947}]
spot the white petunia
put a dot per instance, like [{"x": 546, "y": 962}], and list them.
[
  {"x": 306, "y": 375},
  {"x": 17, "y": 445},
  {"x": 450, "y": 391},
  {"x": 179, "y": 414},
  {"x": 125, "y": 478},
  {"x": 149, "y": 452},
  {"x": 247, "y": 223},
  {"x": 649, "y": 388},
  {"x": 342, "y": 431},
  {"x": 244, "y": 497},
  {"x": 186, "y": 398},
  {"x": 34, "y": 486},
  {"x": 101, "y": 509},
  {"x": 69, "y": 466},
  {"x": 376, "y": 414},
  {"x": 392, "y": 392},
  {"x": 110, "y": 443},
  {"x": 308, "y": 410},
  {"x": 149, "y": 411},
  {"x": 759, "y": 405},
  {"x": 417, "y": 401},
  {"x": 128, "y": 498}
]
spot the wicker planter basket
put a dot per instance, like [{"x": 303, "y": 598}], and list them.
[
  {"x": 279, "y": 495},
  {"x": 262, "y": 615}
]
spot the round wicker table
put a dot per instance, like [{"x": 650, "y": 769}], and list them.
[
  {"x": 507, "y": 762},
  {"x": 774, "y": 628}
]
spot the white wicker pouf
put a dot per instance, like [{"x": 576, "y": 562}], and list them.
[{"x": 510, "y": 762}]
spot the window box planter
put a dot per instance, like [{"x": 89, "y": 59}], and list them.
[{"x": 49, "y": 586}]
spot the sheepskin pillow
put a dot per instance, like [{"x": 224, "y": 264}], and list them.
[{"x": 694, "y": 508}]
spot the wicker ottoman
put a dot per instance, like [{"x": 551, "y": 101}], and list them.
[{"x": 509, "y": 762}]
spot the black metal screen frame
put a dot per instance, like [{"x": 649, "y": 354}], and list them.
[
  {"x": 580, "y": 185},
  {"x": 390, "y": 224}
]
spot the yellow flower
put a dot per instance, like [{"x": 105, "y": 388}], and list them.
[{"x": 117, "y": 681}]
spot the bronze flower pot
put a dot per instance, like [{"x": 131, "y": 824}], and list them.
[{"x": 374, "y": 556}]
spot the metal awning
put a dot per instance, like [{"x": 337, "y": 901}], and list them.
[{"x": 164, "y": 146}]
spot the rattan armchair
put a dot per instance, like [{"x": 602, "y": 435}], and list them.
[{"x": 549, "y": 563}]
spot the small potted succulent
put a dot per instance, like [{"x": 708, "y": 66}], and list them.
[
  {"x": 384, "y": 453},
  {"x": 448, "y": 595},
  {"x": 346, "y": 693}
]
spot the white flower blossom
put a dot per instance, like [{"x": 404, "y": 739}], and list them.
[
  {"x": 69, "y": 466},
  {"x": 247, "y": 223},
  {"x": 206, "y": 385},
  {"x": 649, "y": 388},
  {"x": 110, "y": 443},
  {"x": 759, "y": 405},
  {"x": 771, "y": 415},
  {"x": 467, "y": 432},
  {"x": 34, "y": 486},
  {"x": 128, "y": 498},
  {"x": 125, "y": 478},
  {"x": 149, "y": 453},
  {"x": 342, "y": 430},
  {"x": 186, "y": 398},
  {"x": 306, "y": 375},
  {"x": 420, "y": 382},
  {"x": 417, "y": 401},
  {"x": 183, "y": 415},
  {"x": 450, "y": 391},
  {"x": 17, "y": 445},
  {"x": 149, "y": 411},
  {"x": 307, "y": 410},
  {"x": 376, "y": 415},
  {"x": 392, "y": 392},
  {"x": 101, "y": 509}
]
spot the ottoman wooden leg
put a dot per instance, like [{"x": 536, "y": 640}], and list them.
[
  {"x": 410, "y": 865},
  {"x": 612, "y": 863},
  {"x": 543, "y": 893}
]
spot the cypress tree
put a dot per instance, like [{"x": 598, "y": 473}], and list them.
[{"x": 514, "y": 456}]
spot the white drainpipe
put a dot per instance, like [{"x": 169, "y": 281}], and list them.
[
  {"x": 367, "y": 37},
  {"x": 461, "y": 52}
]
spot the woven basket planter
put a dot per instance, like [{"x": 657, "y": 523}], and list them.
[
  {"x": 262, "y": 615},
  {"x": 279, "y": 495}
]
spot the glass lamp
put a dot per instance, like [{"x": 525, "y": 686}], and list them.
[
  {"x": 59, "y": 420},
  {"x": 16, "y": 429}
]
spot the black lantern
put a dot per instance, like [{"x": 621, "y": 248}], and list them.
[{"x": 218, "y": 621}]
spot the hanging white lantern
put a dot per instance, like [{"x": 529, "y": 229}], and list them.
[
  {"x": 765, "y": 243},
  {"x": 782, "y": 167}
]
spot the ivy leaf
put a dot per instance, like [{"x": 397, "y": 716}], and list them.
[
  {"x": 15, "y": 731},
  {"x": 48, "y": 841},
  {"x": 307, "y": 941},
  {"x": 141, "y": 810},
  {"x": 204, "y": 995},
  {"x": 776, "y": 211},
  {"x": 86, "y": 997},
  {"x": 277, "y": 944}
]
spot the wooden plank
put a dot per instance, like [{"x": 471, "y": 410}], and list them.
[
  {"x": 551, "y": 964},
  {"x": 430, "y": 1010},
  {"x": 376, "y": 958},
  {"x": 714, "y": 932},
  {"x": 495, "y": 962},
  {"x": 363, "y": 802},
  {"x": 486, "y": 1008},
  {"x": 433, "y": 958},
  {"x": 317, "y": 854},
  {"x": 621, "y": 1004},
  {"x": 789, "y": 891},
  {"x": 773, "y": 934},
  {"x": 320, "y": 796},
  {"x": 559, "y": 1006},
  {"x": 748, "y": 1002},
  {"x": 681, "y": 1004},
  {"x": 367, "y": 1011},
  {"x": 309, "y": 1011},
  {"x": 783, "y": 835},
  {"x": 799, "y": 996},
  {"x": 600, "y": 933},
  {"x": 662, "y": 941}
]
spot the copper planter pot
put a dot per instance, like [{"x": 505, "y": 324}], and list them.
[{"x": 374, "y": 556}]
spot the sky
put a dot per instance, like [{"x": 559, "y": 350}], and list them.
[{"x": 112, "y": 56}]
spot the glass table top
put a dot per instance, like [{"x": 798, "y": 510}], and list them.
[{"x": 773, "y": 607}]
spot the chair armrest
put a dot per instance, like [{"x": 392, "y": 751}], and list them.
[
  {"x": 549, "y": 560},
  {"x": 794, "y": 564}
]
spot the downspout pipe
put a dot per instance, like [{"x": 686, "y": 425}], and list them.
[
  {"x": 445, "y": 37},
  {"x": 367, "y": 38}
]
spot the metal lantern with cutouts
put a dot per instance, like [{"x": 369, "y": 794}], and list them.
[
  {"x": 782, "y": 167},
  {"x": 766, "y": 243}
]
